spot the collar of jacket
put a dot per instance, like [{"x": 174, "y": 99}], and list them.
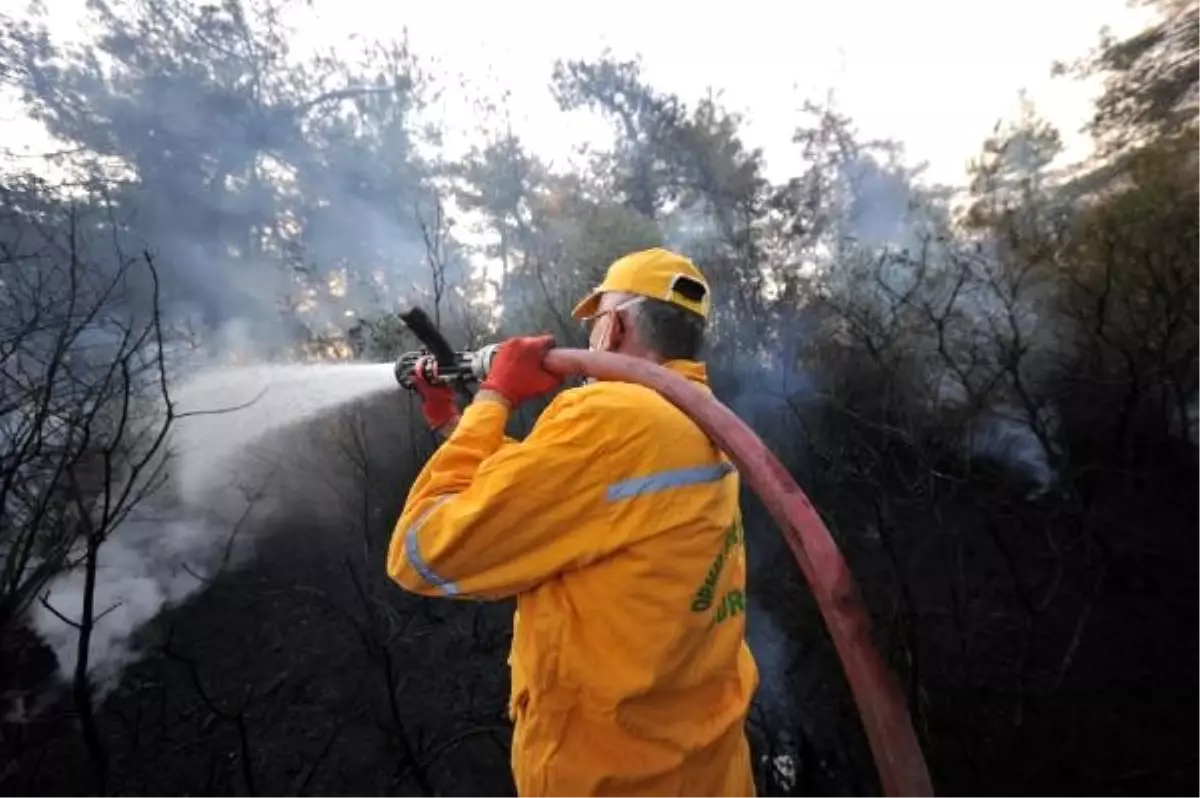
[{"x": 693, "y": 370}]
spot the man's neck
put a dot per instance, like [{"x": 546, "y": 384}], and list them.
[{"x": 642, "y": 353}]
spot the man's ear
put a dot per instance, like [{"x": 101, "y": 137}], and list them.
[{"x": 617, "y": 330}]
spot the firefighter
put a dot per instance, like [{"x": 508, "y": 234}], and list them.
[{"x": 615, "y": 524}]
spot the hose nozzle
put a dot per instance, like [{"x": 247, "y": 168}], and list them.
[
  {"x": 439, "y": 363},
  {"x": 465, "y": 367}
]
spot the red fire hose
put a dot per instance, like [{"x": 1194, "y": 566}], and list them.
[{"x": 877, "y": 694}]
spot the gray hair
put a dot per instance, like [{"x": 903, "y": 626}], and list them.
[{"x": 671, "y": 332}]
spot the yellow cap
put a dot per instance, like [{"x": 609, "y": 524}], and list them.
[{"x": 656, "y": 273}]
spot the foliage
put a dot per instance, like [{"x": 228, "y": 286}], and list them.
[
  {"x": 271, "y": 189},
  {"x": 1150, "y": 78}
]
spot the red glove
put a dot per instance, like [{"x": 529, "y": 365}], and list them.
[
  {"x": 517, "y": 373},
  {"x": 437, "y": 401}
]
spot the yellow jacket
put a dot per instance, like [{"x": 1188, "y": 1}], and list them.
[{"x": 616, "y": 525}]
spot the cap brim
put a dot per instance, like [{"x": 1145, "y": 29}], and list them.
[{"x": 587, "y": 307}]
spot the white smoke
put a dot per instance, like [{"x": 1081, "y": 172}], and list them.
[
  {"x": 225, "y": 449},
  {"x": 145, "y": 565},
  {"x": 1005, "y": 436},
  {"x": 772, "y": 654}
]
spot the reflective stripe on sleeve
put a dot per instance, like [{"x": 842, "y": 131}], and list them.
[
  {"x": 666, "y": 480},
  {"x": 412, "y": 548}
]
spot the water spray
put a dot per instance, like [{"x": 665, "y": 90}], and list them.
[{"x": 876, "y": 691}]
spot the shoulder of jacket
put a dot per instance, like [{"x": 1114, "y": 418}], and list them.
[
  {"x": 613, "y": 394},
  {"x": 622, "y": 402}
]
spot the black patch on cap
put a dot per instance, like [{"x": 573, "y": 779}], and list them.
[{"x": 689, "y": 289}]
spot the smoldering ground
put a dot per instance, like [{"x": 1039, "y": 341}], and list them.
[
  {"x": 252, "y": 449},
  {"x": 306, "y": 510}
]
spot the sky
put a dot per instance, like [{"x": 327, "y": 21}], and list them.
[{"x": 935, "y": 75}]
